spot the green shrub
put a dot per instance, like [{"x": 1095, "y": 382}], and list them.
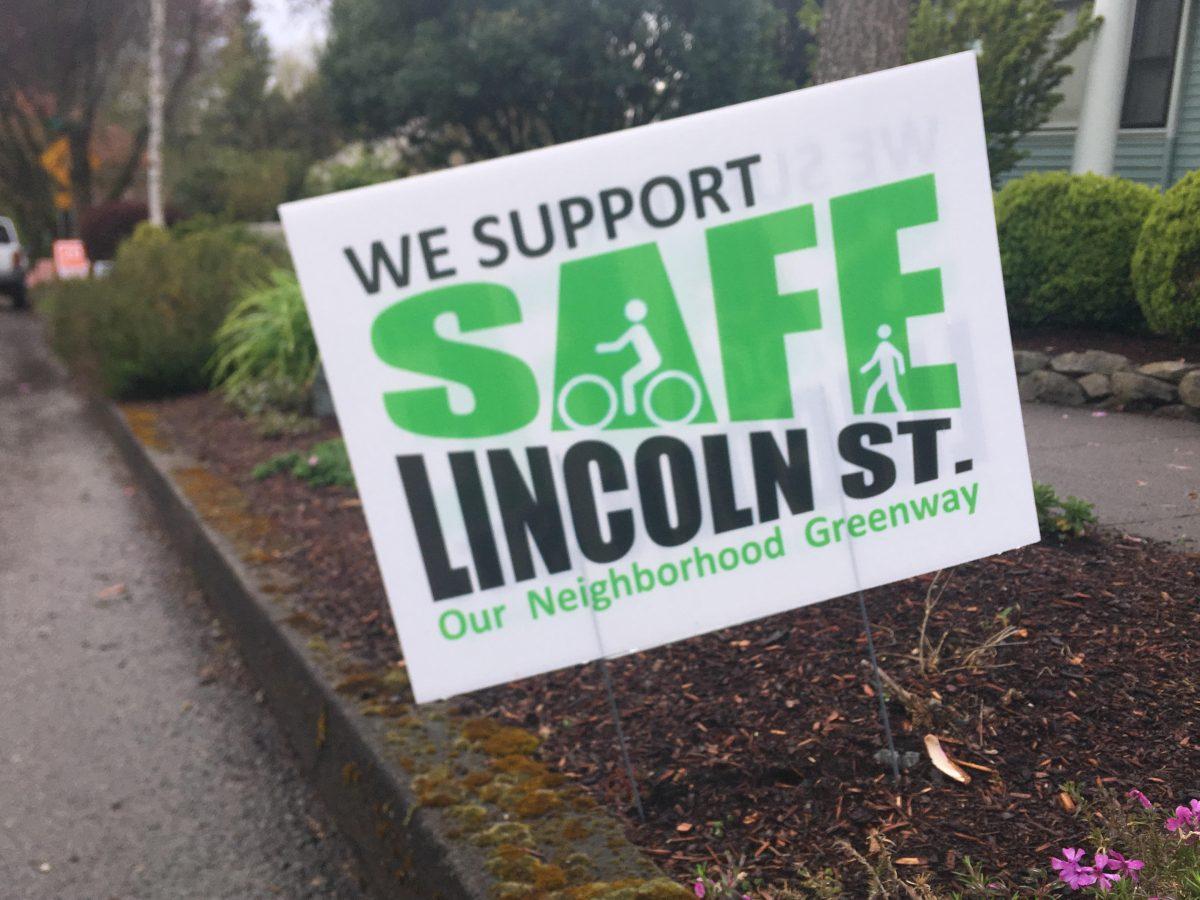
[
  {"x": 1166, "y": 264},
  {"x": 1066, "y": 242},
  {"x": 238, "y": 185},
  {"x": 324, "y": 465},
  {"x": 266, "y": 355},
  {"x": 147, "y": 330},
  {"x": 1061, "y": 519}
]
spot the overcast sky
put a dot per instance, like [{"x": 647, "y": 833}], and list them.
[{"x": 290, "y": 26}]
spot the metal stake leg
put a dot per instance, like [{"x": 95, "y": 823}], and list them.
[
  {"x": 883, "y": 713},
  {"x": 616, "y": 717}
]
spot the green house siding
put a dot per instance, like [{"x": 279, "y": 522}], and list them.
[
  {"x": 1144, "y": 156},
  {"x": 1187, "y": 139},
  {"x": 1140, "y": 157}
]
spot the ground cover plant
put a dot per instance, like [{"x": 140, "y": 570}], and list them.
[
  {"x": 323, "y": 465},
  {"x": 1050, "y": 675}
]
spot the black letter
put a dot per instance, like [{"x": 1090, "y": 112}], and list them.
[
  {"x": 654, "y": 491},
  {"x": 774, "y": 475},
  {"x": 491, "y": 241},
  {"x": 431, "y": 253},
  {"x": 476, "y": 518},
  {"x": 713, "y": 191},
  {"x": 570, "y": 224},
  {"x": 680, "y": 202},
  {"x": 577, "y": 473},
  {"x": 924, "y": 444},
  {"x": 726, "y": 514},
  {"x": 881, "y": 467},
  {"x": 444, "y": 582},
  {"x": 743, "y": 166},
  {"x": 380, "y": 255},
  {"x": 527, "y": 515},
  {"x": 611, "y": 216},
  {"x": 547, "y": 231}
]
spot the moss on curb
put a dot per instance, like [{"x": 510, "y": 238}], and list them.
[{"x": 476, "y": 781}]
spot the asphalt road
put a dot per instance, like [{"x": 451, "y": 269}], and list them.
[
  {"x": 1141, "y": 472},
  {"x": 135, "y": 760}
]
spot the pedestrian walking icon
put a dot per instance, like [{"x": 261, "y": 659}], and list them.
[
  {"x": 647, "y": 366},
  {"x": 891, "y": 365}
]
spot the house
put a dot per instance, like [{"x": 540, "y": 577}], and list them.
[{"x": 1132, "y": 105}]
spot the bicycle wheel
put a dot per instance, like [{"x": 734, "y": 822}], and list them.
[
  {"x": 668, "y": 375},
  {"x": 609, "y": 393}
]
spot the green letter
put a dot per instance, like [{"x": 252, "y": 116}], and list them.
[
  {"x": 624, "y": 356},
  {"x": 878, "y": 300},
  {"x": 752, "y": 316},
  {"x": 504, "y": 389}
]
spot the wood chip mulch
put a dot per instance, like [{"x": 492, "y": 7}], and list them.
[{"x": 762, "y": 740}]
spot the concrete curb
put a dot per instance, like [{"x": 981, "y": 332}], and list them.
[{"x": 404, "y": 828}]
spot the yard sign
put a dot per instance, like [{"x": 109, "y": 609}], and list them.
[{"x": 618, "y": 392}]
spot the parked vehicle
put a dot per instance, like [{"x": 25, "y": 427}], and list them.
[{"x": 12, "y": 263}]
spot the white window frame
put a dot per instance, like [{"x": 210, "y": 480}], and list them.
[
  {"x": 1177, "y": 77},
  {"x": 1185, "y": 22}
]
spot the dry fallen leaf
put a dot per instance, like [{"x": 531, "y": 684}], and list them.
[
  {"x": 910, "y": 861},
  {"x": 942, "y": 762},
  {"x": 683, "y": 827},
  {"x": 113, "y": 592},
  {"x": 1067, "y": 803}
]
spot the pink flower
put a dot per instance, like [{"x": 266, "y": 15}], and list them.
[
  {"x": 314, "y": 459},
  {"x": 1140, "y": 798},
  {"x": 1183, "y": 817},
  {"x": 698, "y": 887},
  {"x": 1070, "y": 871},
  {"x": 1105, "y": 880},
  {"x": 1122, "y": 866}
]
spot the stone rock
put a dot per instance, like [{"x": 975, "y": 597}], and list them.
[
  {"x": 1171, "y": 370},
  {"x": 1178, "y": 411},
  {"x": 1028, "y": 361},
  {"x": 1189, "y": 389},
  {"x": 1051, "y": 387},
  {"x": 1089, "y": 362},
  {"x": 1133, "y": 389},
  {"x": 1095, "y": 386}
]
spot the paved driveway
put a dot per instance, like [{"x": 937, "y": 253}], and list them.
[
  {"x": 134, "y": 760},
  {"x": 1143, "y": 473}
]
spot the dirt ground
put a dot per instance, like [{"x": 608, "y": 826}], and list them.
[
  {"x": 1140, "y": 348},
  {"x": 1048, "y": 665}
]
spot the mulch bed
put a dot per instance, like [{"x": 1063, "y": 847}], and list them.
[
  {"x": 1140, "y": 348},
  {"x": 760, "y": 739}
]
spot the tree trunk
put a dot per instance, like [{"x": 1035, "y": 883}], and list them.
[
  {"x": 158, "y": 27},
  {"x": 860, "y": 36},
  {"x": 80, "y": 136}
]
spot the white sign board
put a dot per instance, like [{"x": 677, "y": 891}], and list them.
[{"x": 618, "y": 392}]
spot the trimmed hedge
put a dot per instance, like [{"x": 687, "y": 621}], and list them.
[
  {"x": 147, "y": 330},
  {"x": 1066, "y": 242},
  {"x": 1166, "y": 264}
]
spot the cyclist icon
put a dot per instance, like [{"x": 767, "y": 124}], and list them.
[
  {"x": 891, "y": 364},
  {"x": 647, "y": 366}
]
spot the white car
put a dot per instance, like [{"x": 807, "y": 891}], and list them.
[{"x": 12, "y": 263}]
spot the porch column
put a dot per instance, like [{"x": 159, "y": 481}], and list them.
[{"x": 1100, "y": 118}]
